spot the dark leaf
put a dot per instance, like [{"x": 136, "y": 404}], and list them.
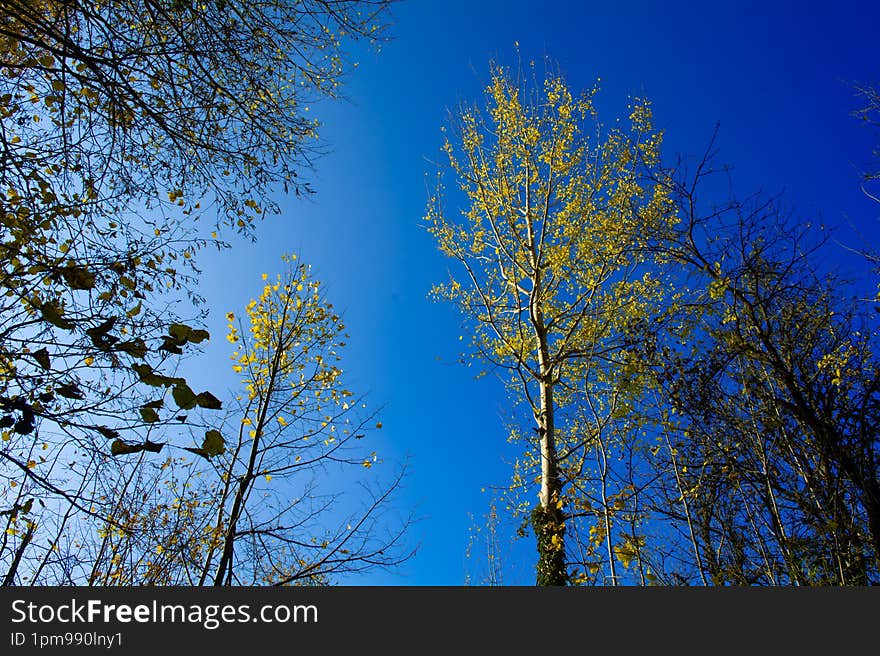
[
  {"x": 136, "y": 348},
  {"x": 120, "y": 448},
  {"x": 42, "y": 358},
  {"x": 109, "y": 433},
  {"x": 180, "y": 332},
  {"x": 169, "y": 345},
  {"x": 184, "y": 397},
  {"x": 102, "y": 329},
  {"x": 149, "y": 415},
  {"x": 70, "y": 391},
  {"x": 198, "y": 336},
  {"x": 52, "y": 312},
  {"x": 78, "y": 277},
  {"x": 208, "y": 401},
  {"x": 153, "y": 447},
  {"x": 25, "y": 425},
  {"x": 148, "y": 376},
  {"x": 213, "y": 443}
]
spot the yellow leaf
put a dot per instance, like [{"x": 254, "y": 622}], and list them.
[{"x": 89, "y": 360}]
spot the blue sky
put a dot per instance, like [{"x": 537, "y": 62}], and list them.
[{"x": 774, "y": 75}]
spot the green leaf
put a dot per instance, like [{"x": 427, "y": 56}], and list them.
[
  {"x": 158, "y": 403},
  {"x": 153, "y": 447},
  {"x": 52, "y": 312},
  {"x": 180, "y": 332},
  {"x": 198, "y": 336},
  {"x": 136, "y": 310},
  {"x": 149, "y": 415},
  {"x": 136, "y": 348},
  {"x": 148, "y": 376},
  {"x": 213, "y": 443},
  {"x": 78, "y": 277},
  {"x": 42, "y": 358},
  {"x": 208, "y": 401},
  {"x": 184, "y": 397}
]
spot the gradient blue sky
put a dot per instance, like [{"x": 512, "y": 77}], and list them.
[{"x": 773, "y": 74}]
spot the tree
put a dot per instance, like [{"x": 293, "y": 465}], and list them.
[
  {"x": 550, "y": 271},
  {"x": 292, "y": 498},
  {"x": 869, "y": 113},
  {"x": 771, "y": 406},
  {"x": 281, "y": 513},
  {"x": 124, "y": 126}
]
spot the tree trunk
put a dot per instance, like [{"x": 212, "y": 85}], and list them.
[
  {"x": 9, "y": 579},
  {"x": 872, "y": 508},
  {"x": 224, "y": 567},
  {"x": 547, "y": 519}
]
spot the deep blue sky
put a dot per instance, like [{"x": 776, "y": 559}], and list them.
[{"x": 773, "y": 74}]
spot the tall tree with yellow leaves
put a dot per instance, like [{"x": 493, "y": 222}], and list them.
[{"x": 550, "y": 272}]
